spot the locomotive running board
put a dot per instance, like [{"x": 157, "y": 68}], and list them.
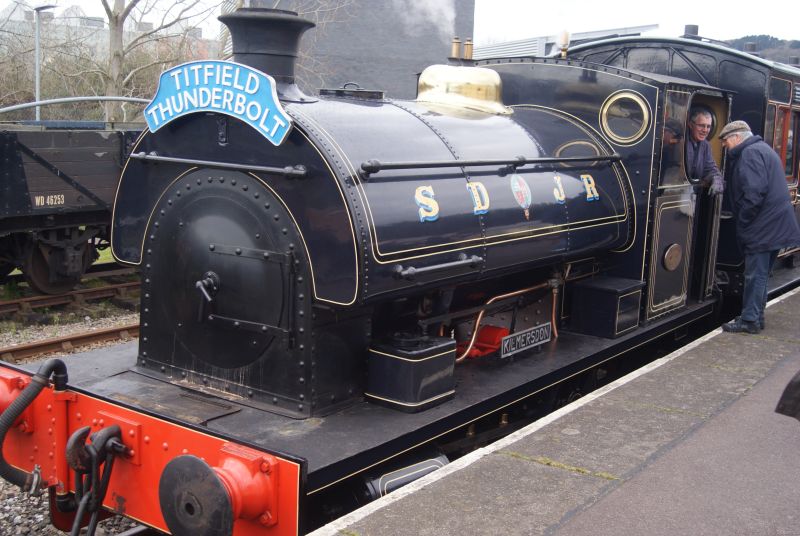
[{"x": 265, "y": 488}]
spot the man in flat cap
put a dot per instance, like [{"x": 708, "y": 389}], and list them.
[{"x": 765, "y": 220}]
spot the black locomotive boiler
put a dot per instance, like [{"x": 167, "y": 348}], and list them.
[{"x": 338, "y": 289}]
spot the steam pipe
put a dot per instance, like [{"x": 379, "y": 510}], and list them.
[{"x": 40, "y": 380}]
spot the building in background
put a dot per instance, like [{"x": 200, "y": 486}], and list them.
[
  {"x": 547, "y": 45},
  {"x": 377, "y": 44},
  {"x": 71, "y": 24},
  {"x": 76, "y": 60}
]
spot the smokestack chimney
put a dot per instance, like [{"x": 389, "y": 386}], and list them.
[
  {"x": 691, "y": 31},
  {"x": 269, "y": 40}
]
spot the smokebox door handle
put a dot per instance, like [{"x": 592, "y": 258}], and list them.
[{"x": 208, "y": 285}]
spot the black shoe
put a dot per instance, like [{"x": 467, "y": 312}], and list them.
[
  {"x": 738, "y": 325},
  {"x": 761, "y": 323}
]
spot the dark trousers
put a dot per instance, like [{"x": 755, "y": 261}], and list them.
[{"x": 757, "y": 267}]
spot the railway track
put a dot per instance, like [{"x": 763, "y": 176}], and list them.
[
  {"x": 18, "y": 352},
  {"x": 80, "y": 296},
  {"x": 95, "y": 271}
]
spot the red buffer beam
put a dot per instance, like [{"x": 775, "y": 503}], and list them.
[{"x": 166, "y": 475}]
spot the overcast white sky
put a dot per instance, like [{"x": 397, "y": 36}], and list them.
[{"x": 505, "y": 20}]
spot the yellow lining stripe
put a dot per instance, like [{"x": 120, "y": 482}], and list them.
[
  {"x": 453, "y": 351},
  {"x": 409, "y": 405}
]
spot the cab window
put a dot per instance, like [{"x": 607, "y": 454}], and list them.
[
  {"x": 673, "y": 138},
  {"x": 792, "y": 150},
  {"x": 769, "y": 125},
  {"x": 787, "y": 129}
]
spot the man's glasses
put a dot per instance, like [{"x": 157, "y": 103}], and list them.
[{"x": 701, "y": 126}]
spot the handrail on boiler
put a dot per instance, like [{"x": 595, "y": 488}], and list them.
[
  {"x": 298, "y": 171},
  {"x": 374, "y": 166}
]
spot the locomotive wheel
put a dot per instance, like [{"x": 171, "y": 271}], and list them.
[{"x": 43, "y": 277}]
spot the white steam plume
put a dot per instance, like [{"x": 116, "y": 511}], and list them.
[{"x": 419, "y": 16}]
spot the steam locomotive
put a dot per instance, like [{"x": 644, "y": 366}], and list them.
[{"x": 335, "y": 286}]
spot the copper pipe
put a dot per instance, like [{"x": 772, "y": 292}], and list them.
[
  {"x": 553, "y": 313},
  {"x": 463, "y": 356},
  {"x": 567, "y": 270}
]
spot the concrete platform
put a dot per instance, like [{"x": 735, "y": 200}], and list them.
[{"x": 688, "y": 445}]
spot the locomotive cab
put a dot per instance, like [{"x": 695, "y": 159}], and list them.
[{"x": 758, "y": 92}]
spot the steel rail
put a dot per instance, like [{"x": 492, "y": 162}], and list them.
[
  {"x": 60, "y": 344},
  {"x": 95, "y": 271},
  {"x": 75, "y": 296}
]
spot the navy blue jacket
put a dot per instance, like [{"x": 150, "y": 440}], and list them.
[
  {"x": 765, "y": 219},
  {"x": 700, "y": 163}
]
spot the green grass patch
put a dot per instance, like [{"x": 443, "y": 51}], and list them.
[
  {"x": 10, "y": 291},
  {"x": 105, "y": 256}
]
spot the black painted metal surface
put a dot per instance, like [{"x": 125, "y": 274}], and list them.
[
  {"x": 349, "y": 441},
  {"x": 416, "y": 217}
]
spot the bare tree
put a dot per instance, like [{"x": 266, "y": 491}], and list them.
[
  {"x": 168, "y": 38},
  {"x": 143, "y": 37},
  {"x": 312, "y": 71},
  {"x": 14, "y": 48},
  {"x": 82, "y": 59}
]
